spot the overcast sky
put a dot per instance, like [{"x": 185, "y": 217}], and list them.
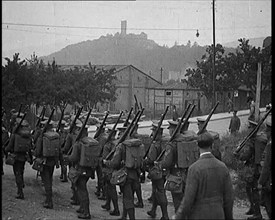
[{"x": 48, "y": 26}]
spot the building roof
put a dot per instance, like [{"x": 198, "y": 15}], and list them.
[{"x": 105, "y": 67}]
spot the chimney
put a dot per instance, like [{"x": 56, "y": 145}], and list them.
[{"x": 123, "y": 28}]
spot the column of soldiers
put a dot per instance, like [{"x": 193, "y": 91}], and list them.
[{"x": 69, "y": 150}]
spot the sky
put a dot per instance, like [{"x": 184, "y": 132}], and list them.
[{"x": 45, "y": 27}]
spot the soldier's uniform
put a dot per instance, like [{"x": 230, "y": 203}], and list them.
[
  {"x": 132, "y": 177},
  {"x": 49, "y": 163},
  {"x": 100, "y": 193},
  {"x": 70, "y": 139},
  {"x": 145, "y": 139},
  {"x": 251, "y": 154},
  {"x": 216, "y": 145},
  {"x": 85, "y": 172},
  {"x": 21, "y": 137},
  {"x": 158, "y": 191},
  {"x": 110, "y": 189},
  {"x": 265, "y": 178},
  {"x": 63, "y": 131},
  {"x": 170, "y": 159},
  {"x": 5, "y": 138}
]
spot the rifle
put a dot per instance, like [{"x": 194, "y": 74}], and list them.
[
  {"x": 60, "y": 120},
  {"x": 208, "y": 119},
  {"x": 177, "y": 129},
  {"x": 82, "y": 128},
  {"x": 136, "y": 122},
  {"x": 136, "y": 101},
  {"x": 48, "y": 122},
  {"x": 74, "y": 121},
  {"x": 114, "y": 128},
  {"x": 19, "y": 111},
  {"x": 128, "y": 117},
  {"x": 99, "y": 131},
  {"x": 140, "y": 105},
  {"x": 41, "y": 117},
  {"x": 187, "y": 118},
  {"x": 72, "y": 125},
  {"x": 158, "y": 128},
  {"x": 251, "y": 133},
  {"x": 123, "y": 137}
]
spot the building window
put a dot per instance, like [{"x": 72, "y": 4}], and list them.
[{"x": 168, "y": 93}]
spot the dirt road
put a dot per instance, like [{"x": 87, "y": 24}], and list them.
[{"x": 31, "y": 208}]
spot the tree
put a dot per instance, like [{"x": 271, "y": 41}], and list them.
[
  {"x": 202, "y": 76},
  {"x": 243, "y": 65}
]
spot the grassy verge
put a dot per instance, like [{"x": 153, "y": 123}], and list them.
[{"x": 237, "y": 168}]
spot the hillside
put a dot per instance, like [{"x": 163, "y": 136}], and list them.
[{"x": 133, "y": 49}]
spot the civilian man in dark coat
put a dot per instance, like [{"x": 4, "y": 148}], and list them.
[
  {"x": 208, "y": 190},
  {"x": 235, "y": 123}
]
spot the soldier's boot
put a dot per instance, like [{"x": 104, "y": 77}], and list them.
[
  {"x": 65, "y": 178},
  {"x": 249, "y": 196},
  {"x": 49, "y": 202},
  {"x": 86, "y": 210},
  {"x": 131, "y": 213},
  {"x": 257, "y": 213},
  {"x": 115, "y": 212},
  {"x": 20, "y": 194},
  {"x": 139, "y": 204},
  {"x": 152, "y": 212},
  {"x": 75, "y": 200},
  {"x": 107, "y": 205},
  {"x": 124, "y": 214},
  {"x": 164, "y": 211},
  {"x": 102, "y": 196}
]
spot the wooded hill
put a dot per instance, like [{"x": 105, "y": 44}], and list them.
[{"x": 133, "y": 49}]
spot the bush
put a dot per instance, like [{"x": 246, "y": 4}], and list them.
[{"x": 237, "y": 169}]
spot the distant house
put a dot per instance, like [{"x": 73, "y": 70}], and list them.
[{"x": 130, "y": 81}]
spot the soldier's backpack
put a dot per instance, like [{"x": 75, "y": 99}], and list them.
[
  {"x": 187, "y": 149},
  {"x": 90, "y": 152},
  {"x": 145, "y": 140},
  {"x": 134, "y": 152},
  {"x": 51, "y": 144},
  {"x": 22, "y": 142}
]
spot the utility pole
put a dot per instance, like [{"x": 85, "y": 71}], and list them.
[
  {"x": 214, "y": 55},
  {"x": 258, "y": 92},
  {"x": 161, "y": 74}
]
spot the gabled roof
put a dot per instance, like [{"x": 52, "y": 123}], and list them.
[{"x": 105, "y": 67}]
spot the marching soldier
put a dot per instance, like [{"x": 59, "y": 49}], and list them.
[
  {"x": 179, "y": 167},
  {"x": 100, "y": 193},
  {"x": 70, "y": 139},
  {"x": 20, "y": 144},
  {"x": 63, "y": 134},
  {"x": 158, "y": 191},
  {"x": 265, "y": 180},
  {"x": 85, "y": 156},
  {"x": 137, "y": 188},
  {"x": 110, "y": 189},
  {"x": 48, "y": 148},
  {"x": 252, "y": 154},
  {"x": 132, "y": 163},
  {"x": 216, "y": 146}
]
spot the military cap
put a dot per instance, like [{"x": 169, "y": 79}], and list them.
[
  {"x": 172, "y": 124},
  {"x": 13, "y": 111},
  {"x": 78, "y": 123},
  {"x": 155, "y": 125},
  {"x": 121, "y": 128},
  {"x": 201, "y": 120},
  {"x": 205, "y": 140},
  {"x": 252, "y": 123},
  {"x": 20, "y": 115},
  {"x": 45, "y": 122},
  {"x": 24, "y": 122},
  {"x": 99, "y": 124}
]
